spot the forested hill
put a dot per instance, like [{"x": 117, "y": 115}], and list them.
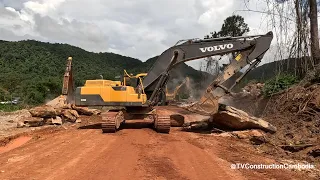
[{"x": 33, "y": 70}]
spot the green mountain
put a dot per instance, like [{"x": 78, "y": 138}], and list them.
[{"x": 33, "y": 70}]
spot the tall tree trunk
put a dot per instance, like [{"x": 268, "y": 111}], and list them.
[
  {"x": 299, "y": 35},
  {"x": 315, "y": 51}
]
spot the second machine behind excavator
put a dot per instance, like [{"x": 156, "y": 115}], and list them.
[{"x": 136, "y": 96}]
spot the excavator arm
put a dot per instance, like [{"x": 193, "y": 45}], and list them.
[
  {"x": 248, "y": 50},
  {"x": 173, "y": 95},
  {"x": 68, "y": 85},
  {"x": 175, "y": 92}
]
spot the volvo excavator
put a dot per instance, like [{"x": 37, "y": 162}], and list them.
[{"x": 135, "y": 97}]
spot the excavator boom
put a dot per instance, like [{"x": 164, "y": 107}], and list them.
[{"x": 248, "y": 49}]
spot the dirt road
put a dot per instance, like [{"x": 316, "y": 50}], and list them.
[{"x": 133, "y": 154}]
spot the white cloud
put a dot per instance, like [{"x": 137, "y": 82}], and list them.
[
  {"x": 43, "y": 7},
  {"x": 136, "y": 28},
  {"x": 216, "y": 12}
]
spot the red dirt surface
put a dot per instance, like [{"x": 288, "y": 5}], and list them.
[
  {"x": 15, "y": 143},
  {"x": 134, "y": 154}
]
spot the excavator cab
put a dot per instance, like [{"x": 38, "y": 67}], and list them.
[
  {"x": 128, "y": 92},
  {"x": 131, "y": 80}
]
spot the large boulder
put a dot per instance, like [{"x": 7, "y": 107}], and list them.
[
  {"x": 74, "y": 113},
  {"x": 235, "y": 119},
  {"x": 20, "y": 124},
  {"x": 54, "y": 121},
  {"x": 176, "y": 120},
  {"x": 95, "y": 111},
  {"x": 82, "y": 110},
  {"x": 247, "y": 134},
  {"x": 256, "y": 137},
  {"x": 70, "y": 115},
  {"x": 44, "y": 112},
  {"x": 34, "y": 121},
  {"x": 48, "y": 121},
  {"x": 86, "y": 111},
  {"x": 66, "y": 106},
  {"x": 58, "y": 102},
  {"x": 230, "y": 119},
  {"x": 57, "y": 121},
  {"x": 202, "y": 125}
]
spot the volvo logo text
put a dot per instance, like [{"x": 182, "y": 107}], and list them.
[{"x": 216, "y": 48}]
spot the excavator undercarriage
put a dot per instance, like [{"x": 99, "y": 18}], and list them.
[
  {"x": 136, "y": 96},
  {"x": 112, "y": 120}
]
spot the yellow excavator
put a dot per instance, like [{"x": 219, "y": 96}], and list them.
[
  {"x": 134, "y": 97},
  {"x": 173, "y": 96}
]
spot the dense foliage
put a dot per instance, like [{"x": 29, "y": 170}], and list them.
[
  {"x": 33, "y": 70},
  {"x": 279, "y": 83}
]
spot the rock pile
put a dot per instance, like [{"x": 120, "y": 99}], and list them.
[{"x": 50, "y": 115}]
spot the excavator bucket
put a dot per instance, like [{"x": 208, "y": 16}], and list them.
[
  {"x": 207, "y": 105},
  {"x": 209, "y": 102}
]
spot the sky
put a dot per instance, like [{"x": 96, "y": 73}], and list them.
[{"x": 136, "y": 28}]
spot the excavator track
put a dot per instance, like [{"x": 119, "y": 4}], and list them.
[
  {"x": 111, "y": 121},
  {"x": 162, "y": 123}
]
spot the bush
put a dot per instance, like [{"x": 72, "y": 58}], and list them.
[
  {"x": 10, "y": 107},
  {"x": 279, "y": 83}
]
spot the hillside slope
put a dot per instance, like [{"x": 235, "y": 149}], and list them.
[
  {"x": 33, "y": 70},
  {"x": 270, "y": 70},
  {"x": 179, "y": 72}
]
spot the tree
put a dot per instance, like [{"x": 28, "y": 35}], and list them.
[
  {"x": 232, "y": 26},
  {"x": 315, "y": 52}
]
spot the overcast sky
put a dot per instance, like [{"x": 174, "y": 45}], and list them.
[{"x": 135, "y": 28}]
